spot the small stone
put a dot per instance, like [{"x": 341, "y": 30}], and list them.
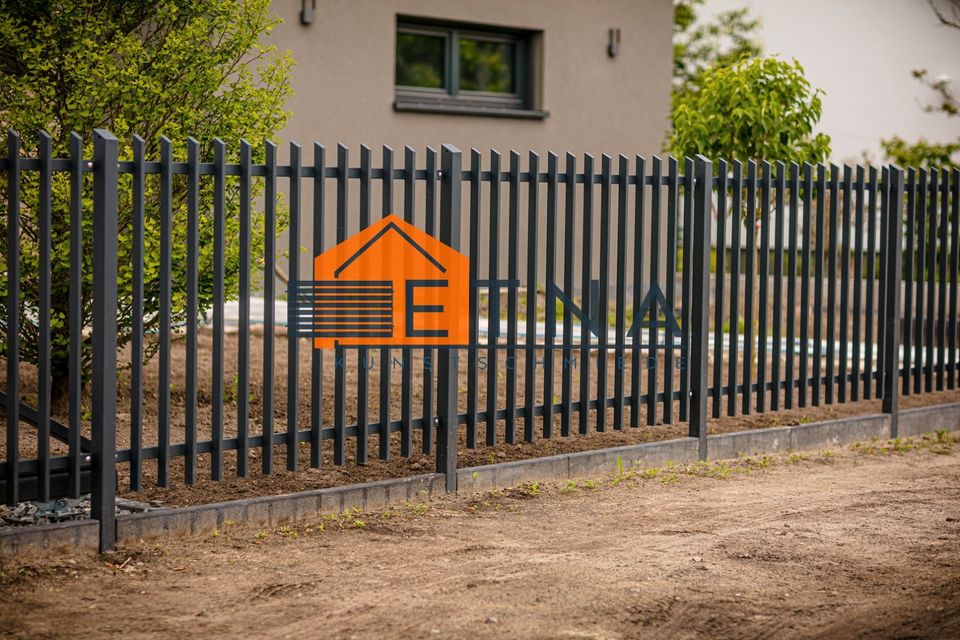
[
  {"x": 492, "y": 620},
  {"x": 415, "y": 466},
  {"x": 697, "y": 559},
  {"x": 501, "y": 454}
]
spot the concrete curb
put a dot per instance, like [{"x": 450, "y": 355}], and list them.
[
  {"x": 816, "y": 435},
  {"x": 269, "y": 511},
  {"x": 81, "y": 534}
]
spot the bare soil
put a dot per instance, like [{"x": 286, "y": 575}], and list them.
[
  {"x": 206, "y": 490},
  {"x": 861, "y": 543}
]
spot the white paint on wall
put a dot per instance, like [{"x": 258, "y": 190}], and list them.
[{"x": 861, "y": 53}]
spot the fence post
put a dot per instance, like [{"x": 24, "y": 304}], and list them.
[
  {"x": 104, "y": 487},
  {"x": 447, "y": 368},
  {"x": 893, "y": 247},
  {"x": 699, "y": 294}
]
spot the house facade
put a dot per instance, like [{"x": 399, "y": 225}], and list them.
[{"x": 560, "y": 75}]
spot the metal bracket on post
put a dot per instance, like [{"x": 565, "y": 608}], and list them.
[
  {"x": 104, "y": 489},
  {"x": 893, "y": 247},
  {"x": 700, "y": 292},
  {"x": 447, "y": 370}
]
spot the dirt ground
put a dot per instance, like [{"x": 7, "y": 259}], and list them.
[{"x": 859, "y": 543}]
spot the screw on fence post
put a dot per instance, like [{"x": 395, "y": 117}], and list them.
[
  {"x": 104, "y": 335},
  {"x": 893, "y": 247},
  {"x": 700, "y": 292},
  {"x": 450, "y": 161}
]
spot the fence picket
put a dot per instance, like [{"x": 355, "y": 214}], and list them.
[
  {"x": 44, "y": 228},
  {"x": 550, "y": 312},
  {"x": 363, "y": 375},
  {"x": 493, "y": 299},
  {"x": 765, "y": 225},
  {"x": 717, "y": 389},
  {"x": 476, "y": 162},
  {"x": 569, "y": 231},
  {"x": 952, "y": 380},
  {"x": 166, "y": 310},
  {"x": 780, "y": 186},
  {"x": 429, "y": 369},
  {"x": 871, "y": 277},
  {"x": 339, "y": 353},
  {"x": 293, "y": 340},
  {"x": 832, "y": 283},
  {"x": 586, "y": 282},
  {"x": 653, "y": 356},
  {"x": 602, "y": 313},
  {"x": 919, "y": 280},
  {"x": 406, "y": 369},
  {"x": 908, "y": 326},
  {"x": 316, "y": 355},
  {"x": 136, "y": 315},
  {"x": 931, "y": 279},
  {"x": 529, "y": 383},
  {"x": 216, "y": 382},
  {"x": 13, "y": 319},
  {"x": 857, "y": 283},
  {"x": 793, "y": 231},
  {"x": 637, "y": 338},
  {"x": 386, "y": 358},
  {"x": 736, "y": 225},
  {"x": 751, "y": 228},
  {"x": 845, "y": 250},
  {"x": 942, "y": 278},
  {"x": 76, "y": 311},
  {"x": 621, "y": 295},
  {"x": 269, "y": 285},
  {"x": 243, "y": 333},
  {"x": 673, "y": 204},
  {"x": 513, "y": 311},
  {"x": 193, "y": 251},
  {"x": 805, "y": 257}
]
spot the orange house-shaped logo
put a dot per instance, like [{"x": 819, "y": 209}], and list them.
[{"x": 390, "y": 284}]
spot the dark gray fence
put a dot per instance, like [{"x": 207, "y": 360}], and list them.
[{"x": 803, "y": 309}]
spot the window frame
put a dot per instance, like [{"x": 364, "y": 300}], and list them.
[{"x": 452, "y": 99}]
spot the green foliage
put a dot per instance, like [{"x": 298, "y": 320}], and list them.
[
  {"x": 757, "y": 108},
  {"x": 173, "y": 68},
  {"x": 921, "y": 153},
  {"x": 699, "y": 45}
]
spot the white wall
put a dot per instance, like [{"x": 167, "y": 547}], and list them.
[{"x": 861, "y": 53}]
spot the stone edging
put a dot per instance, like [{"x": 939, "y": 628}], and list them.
[{"x": 272, "y": 510}]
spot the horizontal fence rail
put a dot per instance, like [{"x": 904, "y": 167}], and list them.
[{"x": 606, "y": 293}]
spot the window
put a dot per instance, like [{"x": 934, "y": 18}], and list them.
[{"x": 459, "y": 69}]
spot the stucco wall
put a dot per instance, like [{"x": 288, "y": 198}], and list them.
[
  {"x": 344, "y": 79},
  {"x": 343, "y": 87}
]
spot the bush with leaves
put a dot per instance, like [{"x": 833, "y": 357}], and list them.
[
  {"x": 758, "y": 108},
  {"x": 173, "y": 68},
  {"x": 700, "y": 44}
]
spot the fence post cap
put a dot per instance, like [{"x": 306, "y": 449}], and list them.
[{"x": 104, "y": 134}]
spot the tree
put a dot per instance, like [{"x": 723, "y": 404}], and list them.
[
  {"x": 924, "y": 152},
  {"x": 699, "y": 45},
  {"x": 756, "y": 109},
  {"x": 173, "y": 68}
]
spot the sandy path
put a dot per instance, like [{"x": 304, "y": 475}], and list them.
[{"x": 856, "y": 545}]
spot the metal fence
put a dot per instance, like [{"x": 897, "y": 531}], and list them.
[{"x": 632, "y": 298}]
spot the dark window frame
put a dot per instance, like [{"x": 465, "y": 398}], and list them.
[{"x": 452, "y": 99}]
